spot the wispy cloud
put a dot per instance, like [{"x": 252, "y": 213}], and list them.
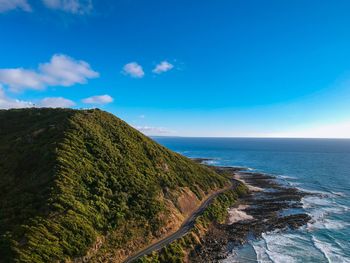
[
  {"x": 162, "y": 67},
  {"x": 79, "y": 7},
  {"x": 62, "y": 70},
  {"x": 101, "y": 100},
  {"x": 9, "y": 5},
  {"x": 9, "y": 103},
  {"x": 56, "y": 102},
  {"x": 50, "y": 102},
  {"x": 134, "y": 70}
]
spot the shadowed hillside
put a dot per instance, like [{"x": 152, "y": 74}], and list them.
[{"x": 84, "y": 185}]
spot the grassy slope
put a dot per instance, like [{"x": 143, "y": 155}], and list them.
[
  {"x": 181, "y": 249},
  {"x": 69, "y": 177}
]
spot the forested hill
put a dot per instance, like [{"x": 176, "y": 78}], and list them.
[{"x": 84, "y": 185}]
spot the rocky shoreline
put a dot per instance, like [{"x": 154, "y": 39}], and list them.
[{"x": 269, "y": 206}]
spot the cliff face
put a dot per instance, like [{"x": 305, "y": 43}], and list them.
[{"x": 80, "y": 185}]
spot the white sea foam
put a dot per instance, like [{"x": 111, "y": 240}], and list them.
[
  {"x": 325, "y": 204},
  {"x": 316, "y": 192},
  {"x": 294, "y": 184},
  {"x": 327, "y": 224},
  {"x": 288, "y": 177},
  {"x": 307, "y": 243},
  {"x": 273, "y": 247},
  {"x": 261, "y": 253},
  {"x": 243, "y": 167},
  {"x": 330, "y": 252},
  {"x": 313, "y": 201},
  {"x": 341, "y": 194},
  {"x": 210, "y": 162},
  {"x": 320, "y": 209},
  {"x": 234, "y": 258},
  {"x": 341, "y": 245},
  {"x": 291, "y": 247}
]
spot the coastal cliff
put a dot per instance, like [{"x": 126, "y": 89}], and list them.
[
  {"x": 258, "y": 204},
  {"x": 82, "y": 185}
]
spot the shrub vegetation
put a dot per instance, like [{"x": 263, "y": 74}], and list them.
[{"x": 70, "y": 177}]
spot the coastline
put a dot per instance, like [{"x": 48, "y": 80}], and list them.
[
  {"x": 253, "y": 209},
  {"x": 176, "y": 234},
  {"x": 269, "y": 206}
]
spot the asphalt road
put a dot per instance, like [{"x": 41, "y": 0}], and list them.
[{"x": 185, "y": 227}]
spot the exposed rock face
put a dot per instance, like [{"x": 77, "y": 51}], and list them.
[{"x": 187, "y": 201}]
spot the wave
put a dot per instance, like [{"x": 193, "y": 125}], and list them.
[
  {"x": 318, "y": 193},
  {"x": 320, "y": 210},
  {"x": 308, "y": 242},
  {"x": 330, "y": 252},
  {"x": 210, "y": 162},
  {"x": 291, "y": 247},
  {"x": 327, "y": 224},
  {"x": 278, "y": 247},
  {"x": 322, "y": 194},
  {"x": 244, "y": 168},
  {"x": 295, "y": 184},
  {"x": 287, "y": 177},
  {"x": 327, "y": 206},
  {"x": 340, "y": 194}
]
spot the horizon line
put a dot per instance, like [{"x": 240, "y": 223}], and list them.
[{"x": 249, "y": 137}]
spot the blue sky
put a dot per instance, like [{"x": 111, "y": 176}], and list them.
[{"x": 184, "y": 68}]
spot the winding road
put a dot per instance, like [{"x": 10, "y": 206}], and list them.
[{"x": 185, "y": 227}]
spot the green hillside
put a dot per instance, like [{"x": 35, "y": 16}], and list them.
[{"x": 83, "y": 183}]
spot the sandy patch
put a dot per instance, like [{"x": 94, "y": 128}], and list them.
[
  {"x": 250, "y": 187},
  {"x": 237, "y": 214}
]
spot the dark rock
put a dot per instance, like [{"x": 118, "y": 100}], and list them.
[{"x": 266, "y": 208}]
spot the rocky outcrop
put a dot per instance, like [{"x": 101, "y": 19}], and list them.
[{"x": 266, "y": 210}]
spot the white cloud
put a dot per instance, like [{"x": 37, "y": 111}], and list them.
[
  {"x": 70, "y": 6},
  {"x": 8, "y": 5},
  {"x": 65, "y": 71},
  {"x": 19, "y": 78},
  {"x": 162, "y": 67},
  {"x": 102, "y": 99},
  {"x": 50, "y": 102},
  {"x": 9, "y": 103},
  {"x": 148, "y": 130},
  {"x": 55, "y": 102},
  {"x": 134, "y": 70},
  {"x": 62, "y": 70}
]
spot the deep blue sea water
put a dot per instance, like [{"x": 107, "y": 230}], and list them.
[{"x": 316, "y": 165}]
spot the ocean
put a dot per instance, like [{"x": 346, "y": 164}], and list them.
[{"x": 321, "y": 166}]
